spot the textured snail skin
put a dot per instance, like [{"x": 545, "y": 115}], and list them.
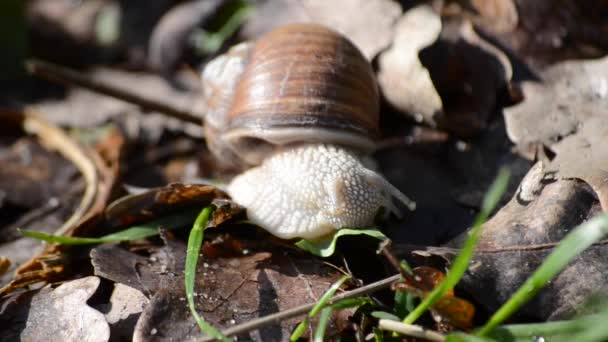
[{"x": 309, "y": 191}]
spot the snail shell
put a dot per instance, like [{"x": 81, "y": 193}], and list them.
[
  {"x": 302, "y": 102},
  {"x": 299, "y": 83}
]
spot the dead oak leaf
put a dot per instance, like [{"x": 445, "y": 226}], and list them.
[
  {"x": 569, "y": 94},
  {"x": 584, "y": 155},
  {"x": 62, "y": 314},
  {"x": 369, "y": 23},
  {"x": 405, "y": 82}
]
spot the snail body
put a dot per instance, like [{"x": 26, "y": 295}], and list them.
[{"x": 301, "y": 106}]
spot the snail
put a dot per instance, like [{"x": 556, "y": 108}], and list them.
[{"x": 299, "y": 108}]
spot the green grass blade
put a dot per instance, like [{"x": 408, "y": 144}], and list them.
[
  {"x": 301, "y": 328},
  {"x": 133, "y": 233},
  {"x": 322, "y": 324},
  {"x": 327, "y": 296},
  {"x": 326, "y": 248},
  {"x": 461, "y": 262},
  {"x": 572, "y": 245},
  {"x": 462, "y": 337},
  {"x": 192, "y": 254},
  {"x": 327, "y": 311}
]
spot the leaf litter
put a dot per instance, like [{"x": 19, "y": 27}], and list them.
[{"x": 468, "y": 68}]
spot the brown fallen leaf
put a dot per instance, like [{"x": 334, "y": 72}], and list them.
[
  {"x": 155, "y": 203},
  {"x": 123, "y": 309},
  {"x": 456, "y": 311},
  {"x": 59, "y": 314},
  {"x": 567, "y": 95},
  {"x": 374, "y": 36},
  {"x": 521, "y": 235},
  {"x": 403, "y": 79},
  {"x": 100, "y": 175},
  {"x": 230, "y": 289},
  {"x": 584, "y": 156}
]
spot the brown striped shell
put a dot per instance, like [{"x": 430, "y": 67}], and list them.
[{"x": 301, "y": 83}]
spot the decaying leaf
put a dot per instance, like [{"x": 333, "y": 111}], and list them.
[
  {"x": 230, "y": 289},
  {"x": 456, "y": 311},
  {"x": 379, "y": 17},
  {"x": 99, "y": 168},
  {"x": 123, "y": 310},
  {"x": 569, "y": 94},
  {"x": 519, "y": 237},
  {"x": 154, "y": 203},
  {"x": 584, "y": 155},
  {"x": 59, "y": 314},
  {"x": 374, "y": 36},
  {"x": 405, "y": 82}
]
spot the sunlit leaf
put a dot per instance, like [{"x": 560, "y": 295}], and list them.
[{"x": 327, "y": 247}]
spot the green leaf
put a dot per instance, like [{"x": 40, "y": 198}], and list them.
[
  {"x": 463, "y": 259},
  {"x": 192, "y": 254},
  {"x": 326, "y": 247},
  {"x": 572, "y": 245},
  {"x": 133, "y": 233}
]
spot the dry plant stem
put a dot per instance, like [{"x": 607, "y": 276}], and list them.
[
  {"x": 54, "y": 138},
  {"x": 57, "y": 73},
  {"x": 410, "y": 330},
  {"x": 303, "y": 309},
  {"x": 385, "y": 249}
]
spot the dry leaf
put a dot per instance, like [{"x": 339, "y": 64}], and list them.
[
  {"x": 568, "y": 95},
  {"x": 456, "y": 311},
  {"x": 405, "y": 82},
  {"x": 62, "y": 314},
  {"x": 521, "y": 235},
  {"x": 584, "y": 155},
  {"x": 373, "y": 36}
]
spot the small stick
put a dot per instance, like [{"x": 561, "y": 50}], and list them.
[
  {"x": 410, "y": 330},
  {"x": 299, "y": 310},
  {"x": 60, "y": 74}
]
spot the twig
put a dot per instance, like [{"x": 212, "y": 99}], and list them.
[
  {"x": 279, "y": 316},
  {"x": 410, "y": 330},
  {"x": 57, "y": 73}
]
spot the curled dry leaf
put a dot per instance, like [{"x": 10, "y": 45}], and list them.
[
  {"x": 456, "y": 311},
  {"x": 520, "y": 236},
  {"x": 60, "y": 314},
  {"x": 372, "y": 37},
  {"x": 405, "y": 82},
  {"x": 99, "y": 168},
  {"x": 155, "y": 203},
  {"x": 568, "y": 94}
]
